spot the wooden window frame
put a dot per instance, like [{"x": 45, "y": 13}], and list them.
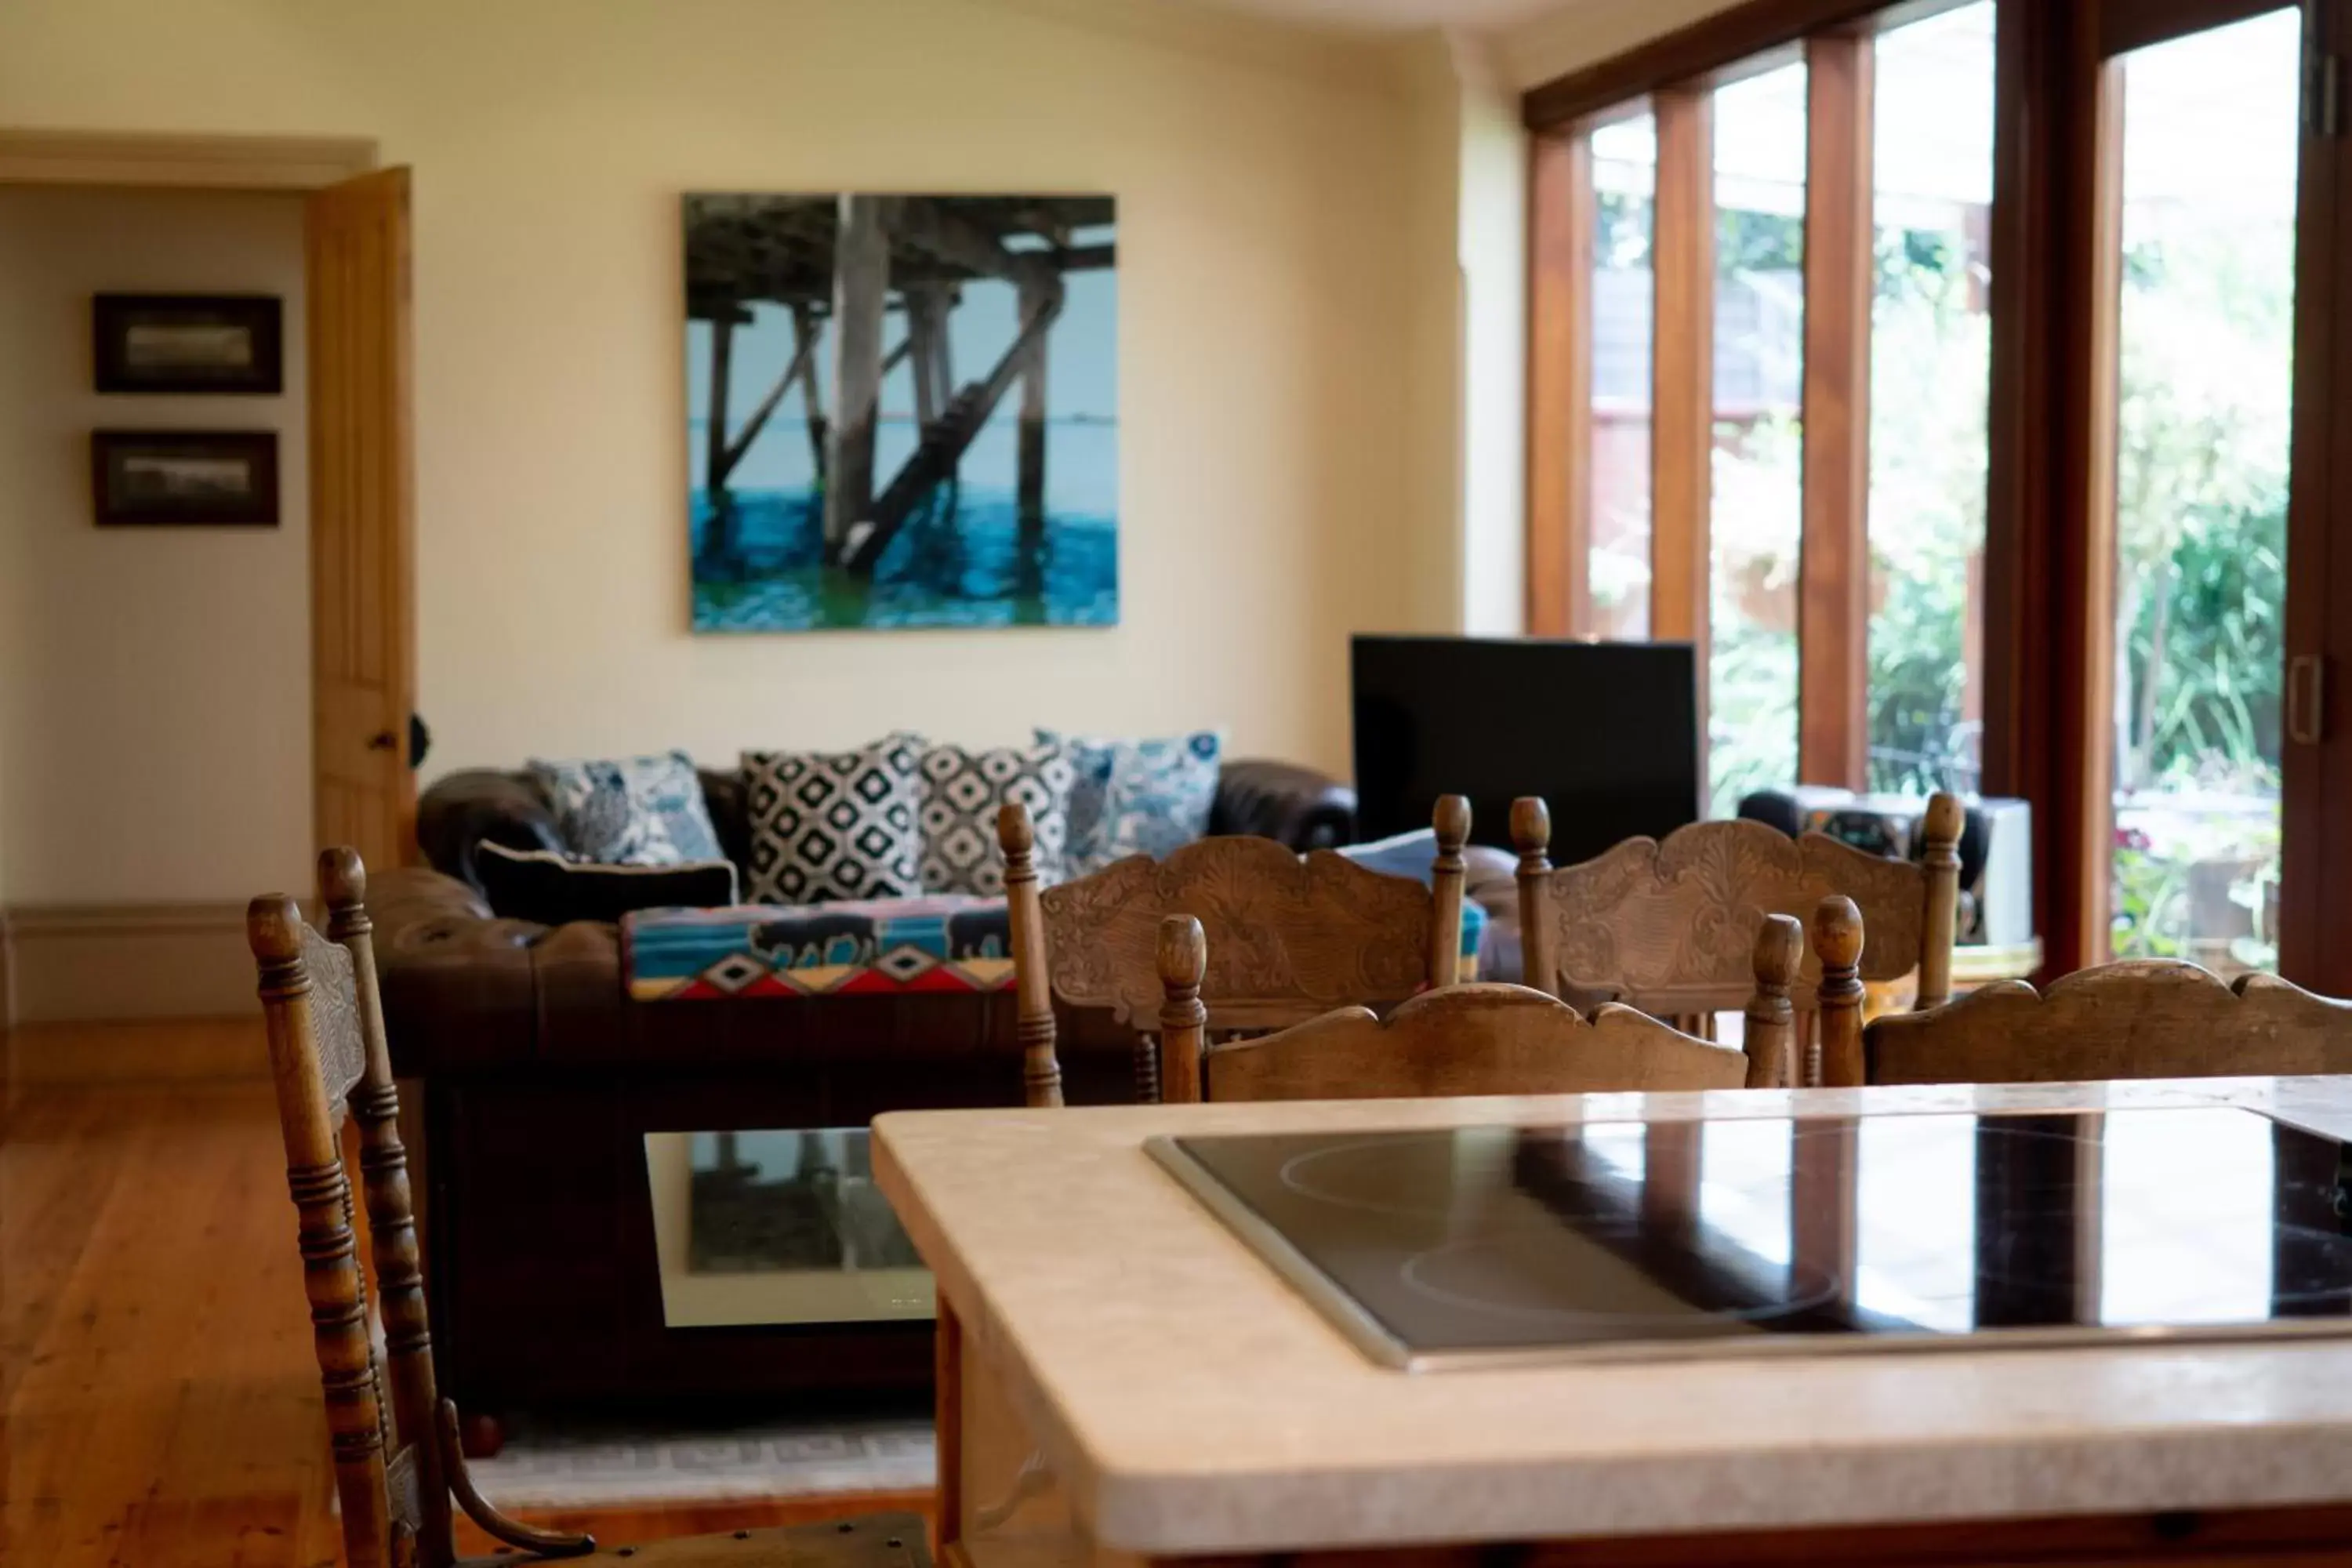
[
  {"x": 2049, "y": 572},
  {"x": 1682, "y": 373},
  {"x": 1562, "y": 216},
  {"x": 1833, "y": 570}
]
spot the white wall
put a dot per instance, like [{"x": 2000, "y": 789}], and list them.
[
  {"x": 155, "y": 683},
  {"x": 1262, "y": 284}
]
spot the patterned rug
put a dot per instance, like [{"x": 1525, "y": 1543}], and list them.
[{"x": 552, "y": 1463}]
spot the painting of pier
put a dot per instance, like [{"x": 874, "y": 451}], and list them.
[{"x": 902, "y": 411}]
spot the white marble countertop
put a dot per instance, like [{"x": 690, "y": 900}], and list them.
[{"x": 1189, "y": 1401}]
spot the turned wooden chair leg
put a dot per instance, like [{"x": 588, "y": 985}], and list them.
[{"x": 1531, "y": 836}]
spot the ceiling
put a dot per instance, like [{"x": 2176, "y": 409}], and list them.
[{"x": 1397, "y": 15}]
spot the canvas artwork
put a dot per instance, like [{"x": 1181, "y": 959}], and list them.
[{"x": 902, "y": 411}]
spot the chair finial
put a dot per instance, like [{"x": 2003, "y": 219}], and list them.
[
  {"x": 1183, "y": 953},
  {"x": 1450, "y": 819},
  {"x": 273, "y": 929},
  {"x": 1780, "y": 953},
  {"x": 1530, "y": 826},
  {"x": 341, "y": 877},
  {"x": 1015, "y": 833},
  {"x": 1837, "y": 932},
  {"x": 1945, "y": 819}
]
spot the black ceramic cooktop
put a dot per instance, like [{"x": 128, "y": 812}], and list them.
[{"x": 1732, "y": 1237}]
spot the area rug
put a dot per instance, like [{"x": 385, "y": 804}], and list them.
[{"x": 550, "y": 1463}]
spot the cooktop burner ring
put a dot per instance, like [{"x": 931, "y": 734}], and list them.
[{"x": 1817, "y": 1292}]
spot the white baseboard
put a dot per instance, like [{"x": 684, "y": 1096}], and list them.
[{"x": 73, "y": 962}]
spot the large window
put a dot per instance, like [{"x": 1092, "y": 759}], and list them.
[
  {"x": 1931, "y": 344},
  {"x": 2205, "y": 356},
  {"x": 1756, "y": 523},
  {"x": 1992, "y": 369},
  {"x": 1626, "y": 187}
]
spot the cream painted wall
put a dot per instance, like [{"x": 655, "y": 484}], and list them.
[
  {"x": 154, "y": 684},
  {"x": 1263, "y": 296},
  {"x": 1491, "y": 238},
  {"x": 1466, "y": 245}
]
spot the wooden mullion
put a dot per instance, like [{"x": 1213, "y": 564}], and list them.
[
  {"x": 1681, "y": 401},
  {"x": 1561, "y": 215},
  {"x": 1833, "y": 591}
]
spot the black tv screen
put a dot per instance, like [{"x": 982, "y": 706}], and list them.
[{"x": 1607, "y": 733}]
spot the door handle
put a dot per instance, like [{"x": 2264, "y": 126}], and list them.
[
  {"x": 382, "y": 740},
  {"x": 2306, "y": 691}
]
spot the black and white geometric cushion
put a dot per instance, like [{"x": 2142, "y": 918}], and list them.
[
  {"x": 837, "y": 825},
  {"x": 962, "y": 791}
]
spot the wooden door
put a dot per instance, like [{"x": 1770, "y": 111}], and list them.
[{"x": 362, "y": 639}]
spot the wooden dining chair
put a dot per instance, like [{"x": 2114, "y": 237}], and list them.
[
  {"x": 1463, "y": 1039},
  {"x": 2150, "y": 1017},
  {"x": 1294, "y": 935},
  {"x": 397, "y": 1462},
  {"x": 1666, "y": 925}
]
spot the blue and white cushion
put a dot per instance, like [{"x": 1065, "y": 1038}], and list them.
[
  {"x": 630, "y": 811},
  {"x": 1138, "y": 797}
]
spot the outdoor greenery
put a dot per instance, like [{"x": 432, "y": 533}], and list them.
[{"x": 2200, "y": 549}]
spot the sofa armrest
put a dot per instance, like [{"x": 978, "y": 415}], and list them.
[
  {"x": 458, "y": 985},
  {"x": 1302, "y": 808},
  {"x": 477, "y": 805}
]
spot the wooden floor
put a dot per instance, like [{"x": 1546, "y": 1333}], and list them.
[{"x": 159, "y": 1405}]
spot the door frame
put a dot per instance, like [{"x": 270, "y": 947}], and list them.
[{"x": 174, "y": 161}]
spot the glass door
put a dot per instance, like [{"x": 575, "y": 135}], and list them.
[{"x": 2204, "y": 278}]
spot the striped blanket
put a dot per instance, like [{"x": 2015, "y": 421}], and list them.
[{"x": 944, "y": 943}]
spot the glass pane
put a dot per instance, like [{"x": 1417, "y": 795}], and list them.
[
  {"x": 1931, "y": 344},
  {"x": 1757, "y": 516},
  {"x": 1625, "y": 182},
  {"x": 2207, "y": 339}
]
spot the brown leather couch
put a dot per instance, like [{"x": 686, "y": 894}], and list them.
[{"x": 537, "y": 1079}]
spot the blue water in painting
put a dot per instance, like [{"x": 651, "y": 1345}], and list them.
[{"x": 962, "y": 566}]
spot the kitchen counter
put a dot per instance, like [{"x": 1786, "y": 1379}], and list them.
[{"x": 1120, "y": 1375}]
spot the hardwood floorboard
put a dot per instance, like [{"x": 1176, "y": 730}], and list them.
[{"x": 159, "y": 1405}]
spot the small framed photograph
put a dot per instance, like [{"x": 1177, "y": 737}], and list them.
[
  {"x": 188, "y": 343},
  {"x": 148, "y": 479}
]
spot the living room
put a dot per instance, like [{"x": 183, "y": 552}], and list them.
[{"x": 586, "y": 363}]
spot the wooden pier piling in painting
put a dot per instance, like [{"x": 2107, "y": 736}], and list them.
[{"x": 840, "y": 304}]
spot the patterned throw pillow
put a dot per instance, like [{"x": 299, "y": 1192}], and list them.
[
  {"x": 835, "y": 825},
  {"x": 630, "y": 811},
  {"x": 962, "y": 791},
  {"x": 1132, "y": 797}
]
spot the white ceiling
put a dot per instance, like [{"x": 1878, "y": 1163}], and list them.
[{"x": 1397, "y": 15}]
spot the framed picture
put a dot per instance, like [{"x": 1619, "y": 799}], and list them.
[
  {"x": 184, "y": 478},
  {"x": 187, "y": 343},
  {"x": 901, "y": 410}
]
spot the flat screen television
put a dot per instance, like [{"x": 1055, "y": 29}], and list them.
[{"x": 1607, "y": 733}]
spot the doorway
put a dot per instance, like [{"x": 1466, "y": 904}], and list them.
[{"x": 357, "y": 285}]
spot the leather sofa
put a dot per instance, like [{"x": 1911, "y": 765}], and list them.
[{"x": 536, "y": 1078}]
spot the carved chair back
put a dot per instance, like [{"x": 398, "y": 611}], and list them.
[
  {"x": 1294, "y": 935},
  {"x": 396, "y": 1458},
  {"x": 1462, "y": 1039},
  {"x": 1668, "y": 925},
  {"x": 2140, "y": 1018}
]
